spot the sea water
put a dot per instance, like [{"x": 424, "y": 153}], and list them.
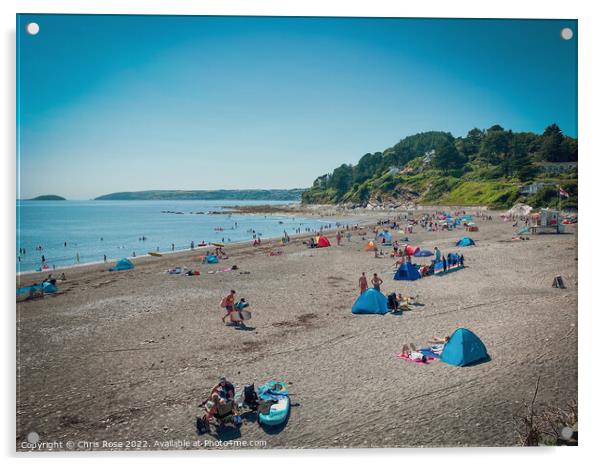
[{"x": 63, "y": 231}]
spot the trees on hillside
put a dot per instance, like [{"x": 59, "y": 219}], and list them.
[
  {"x": 495, "y": 146},
  {"x": 471, "y": 144},
  {"x": 551, "y": 142},
  {"x": 447, "y": 157},
  {"x": 342, "y": 179},
  {"x": 520, "y": 163},
  {"x": 556, "y": 147},
  {"x": 493, "y": 153}
]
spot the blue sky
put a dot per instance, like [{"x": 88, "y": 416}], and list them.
[{"x": 123, "y": 103}]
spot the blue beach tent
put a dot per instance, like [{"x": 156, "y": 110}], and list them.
[
  {"x": 211, "y": 260},
  {"x": 47, "y": 287},
  {"x": 464, "y": 348},
  {"x": 123, "y": 264},
  {"x": 464, "y": 242},
  {"x": 407, "y": 271},
  {"x": 386, "y": 235},
  {"x": 370, "y": 301},
  {"x": 423, "y": 253}
]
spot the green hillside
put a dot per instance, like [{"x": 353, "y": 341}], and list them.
[{"x": 486, "y": 167}]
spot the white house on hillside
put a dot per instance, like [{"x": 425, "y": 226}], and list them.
[
  {"x": 428, "y": 156},
  {"x": 556, "y": 167},
  {"x": 532, "y": 188}
]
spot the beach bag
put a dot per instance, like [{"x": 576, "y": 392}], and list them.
[
  {"x": 250, "y": 396},
  {"x": 392, "y": 302}
]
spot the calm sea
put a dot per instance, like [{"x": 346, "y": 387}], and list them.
[{"x": 91, "y": 229}]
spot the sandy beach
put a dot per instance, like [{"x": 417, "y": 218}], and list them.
[{"x": 129, "y": 355}]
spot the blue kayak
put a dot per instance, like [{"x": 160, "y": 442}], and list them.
[{"x": 274, "y": 391}]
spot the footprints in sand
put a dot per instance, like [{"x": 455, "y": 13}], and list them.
[
  {"x": 304, "y": 320},
  {"x": 99, "y": 284},
  {"x": 335, "y": 282}
]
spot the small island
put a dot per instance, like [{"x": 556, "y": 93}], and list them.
[{"x": 48, "y": 197}]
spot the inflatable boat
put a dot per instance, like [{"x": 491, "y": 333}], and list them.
[{"x": 277, "y": 393}]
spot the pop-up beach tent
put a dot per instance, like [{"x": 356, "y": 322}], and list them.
[
  {"x": 323, "y": 242},
  {"x": 464, "y": 348},
  {"x": 407, "y": 271},
  {"x": 464, "y": 242},
  {"x": 370, "y": 301},
  {"x": 411, "y": 250},
  {"x": 211, "y": 259},
  {"x": 385, "y": 235},
  {"x": 123, "y": 264},
  {"x": 423, "y": 253},
  {"x": 47, "y": 287},
  {"x": 370, "y": 246}
]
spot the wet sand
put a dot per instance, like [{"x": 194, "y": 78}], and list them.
[{"x": 129, "y": 355}]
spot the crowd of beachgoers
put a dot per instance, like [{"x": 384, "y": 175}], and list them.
[{"x": 158, "y": 337}]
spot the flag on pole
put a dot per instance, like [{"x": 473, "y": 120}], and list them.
[{"x": 563, "y": 193}]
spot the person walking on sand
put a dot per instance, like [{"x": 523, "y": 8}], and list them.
[
  {"x": 339, "y": 237},
  {"x": 363, "y": 282},
  {"x": 376, "y": 282},
  {"x": 228, "y": 303}
]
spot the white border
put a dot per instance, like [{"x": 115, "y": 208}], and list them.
[{"x": 590, "y": 77}]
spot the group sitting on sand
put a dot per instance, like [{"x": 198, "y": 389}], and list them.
[
  {"x": 220, "y": 395},
  {"x": 395, "y": 302}
]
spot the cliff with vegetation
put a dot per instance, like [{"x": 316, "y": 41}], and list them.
[{"x": 494, "y": 167}]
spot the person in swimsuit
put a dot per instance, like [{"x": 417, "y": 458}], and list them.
[
  {"x": 363, "y": 282},
  {"x": 228, "y": 303},
  {"x": 376, "y": 282}
]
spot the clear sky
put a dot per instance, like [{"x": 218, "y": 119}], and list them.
[{"x": 126, "y": 103}]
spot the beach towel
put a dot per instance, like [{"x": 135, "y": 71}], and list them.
[
  {"x": 416, "y": 360},
  {"x": 229, "y": 269},
  {"x": 429, "y": 353}
]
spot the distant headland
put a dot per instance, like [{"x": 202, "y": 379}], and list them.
[
  {"x": 221, "y": 194},
  {"x": 48, "y": 197}
]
